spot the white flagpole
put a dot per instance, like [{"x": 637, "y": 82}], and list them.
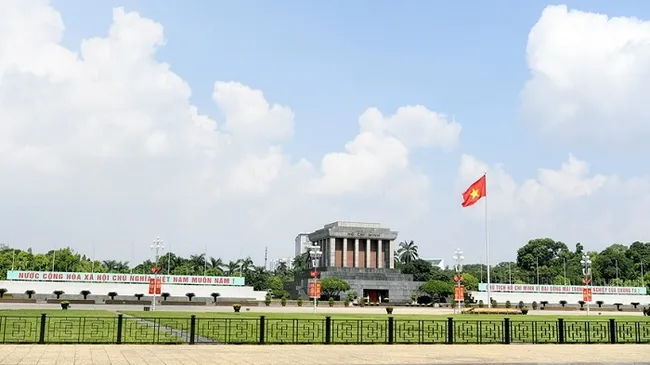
[
  {"x": 487, "y": 244},
  {"x": 169, "y": 258},
  {"x": 53, "y": 258},
  {"x": 131, "y": 263},
  {"x": 92, "y": 264},
  {"x": 13, "y": 259},
  {"x": 205, "y": 260}
]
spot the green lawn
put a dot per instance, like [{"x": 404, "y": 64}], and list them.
[
  {"x": 97, "y": 326},
  {"x": 78, "y": 326},
  {"x": 373, "y": 328}
]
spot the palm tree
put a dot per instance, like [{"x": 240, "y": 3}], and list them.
[
  {"x": 110, "y": 265},
  {"x": 407, "y": 251},
  {"x": 216, "y": 263},
  {"x": 232, "y": 267},
  {"x": 198, "y": 263},
  {"x": 246, "y": 264}
]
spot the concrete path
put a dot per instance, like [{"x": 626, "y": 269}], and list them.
[{"x": 320, "y": 355}]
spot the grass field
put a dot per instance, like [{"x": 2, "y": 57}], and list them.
[
  {"x": 77, "y": 326},
  {"x": 373, "y": 328},
  {"x": 96, "y": 326}
]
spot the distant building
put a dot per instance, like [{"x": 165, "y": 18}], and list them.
[
  {"x": 275, "y": 264},
  {"x": 363, "y": 255},
  {"x": 436, "y": 263},
  {"x": 302, "y": 244}
]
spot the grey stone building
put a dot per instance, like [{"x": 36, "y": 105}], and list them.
[{"x": 363, "y": 255}]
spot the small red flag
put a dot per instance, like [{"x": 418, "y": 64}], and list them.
[{"x": 475, "y": 192}]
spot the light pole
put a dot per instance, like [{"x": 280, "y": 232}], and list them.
[
  {"x": 642, "y": 279},
  {"x": 315, "y": 254},
  {"x": 616, "y": 260},
  {"x": 537, "y": 268},
  {"x": 458, "y": 256},
  {"x": 156, "y": 246},
  {"x": 564, "y": 259},
  {"x": 509, "y": 273},
  {"x": 586, "y": 272}
]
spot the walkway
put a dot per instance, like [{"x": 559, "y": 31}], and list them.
[{"x": 319, "y": 355}]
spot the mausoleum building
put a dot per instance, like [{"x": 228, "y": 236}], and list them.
[{"x": 362, "y": 254}]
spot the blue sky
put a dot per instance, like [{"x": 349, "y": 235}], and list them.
[{"x": 330, "y": 61}]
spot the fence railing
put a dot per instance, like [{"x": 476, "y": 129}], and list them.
[{"x": 261, "y": 330}]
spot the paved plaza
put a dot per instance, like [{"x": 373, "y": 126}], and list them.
[{"x": 319, "y": 354}]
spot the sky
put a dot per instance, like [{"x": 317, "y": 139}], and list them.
[{"x": 228, "y": 127}]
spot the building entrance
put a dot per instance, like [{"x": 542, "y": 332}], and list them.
[{"x": 375, "y": 295}]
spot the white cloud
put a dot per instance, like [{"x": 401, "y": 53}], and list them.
[
  {"x": 589, "y": 76},
  {"x": 378, "y": 156},
  {"x": 103, "y": 146}
]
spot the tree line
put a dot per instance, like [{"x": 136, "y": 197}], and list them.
[{"x": 543, "y": 261}]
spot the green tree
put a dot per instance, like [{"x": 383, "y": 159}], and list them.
[
  {"x": 420, "y": 269},
  {"x": 470, "y": 281},
  {"x": 333, "y": 286},
  {"x": 437, "y": 289}
]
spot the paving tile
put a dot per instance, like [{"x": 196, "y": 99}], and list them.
[{"x": 321, "y": 355}]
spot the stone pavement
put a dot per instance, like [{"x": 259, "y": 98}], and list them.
[{"x": 320, "y": 354}]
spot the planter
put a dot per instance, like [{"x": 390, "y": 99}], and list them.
[
  {"x": 65, "y": 305},
  {"x": 389, "y": 310},
  {"x": 236, "y": 308},
  {"x": 268, "y": 303},
  {"x": 331, "y": 304},
  {"x": 170, "y": 302},
  {"x": 347, "y": 304},
  {"x": 71, "y": 301},
  {"x": 16, "y": 300}
]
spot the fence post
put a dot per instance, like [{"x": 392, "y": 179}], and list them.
[
  {"x": 41, "y": 335},
  {"x": 391, "y": 329},
  {"x": 192, "y": 328},
  {"x": 560, "y": 330},
  {"x": 328, "y": 329},
  {"x": 262, "y": 329},
  {"x": 506, "y": 331},
  {"x": 450, "y": 330},
  {"x": 612, "y": 331},
  {"x": 118, "y": 337}
]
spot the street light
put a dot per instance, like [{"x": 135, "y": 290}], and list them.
[
  {"x": 564, "y": 259},
  {"x": 315, "y": 254},
  {"x": 642, "y": 279},
  {"x": 616, "y": 260},
  {"x": 586, "y": 273},
  {"x": 458, "y": 256},
  {"x": 156, "y": 246},
  {"x": 537, "y": 268}
]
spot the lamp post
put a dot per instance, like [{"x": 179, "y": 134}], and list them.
[
  {"x": 315, "y": 254},
  {"x": 586, "y": 272},
  {"x": 642, "y": 279},
  {"x": 616, "y": 260},
  {"x": 156, "y": 246},
  {"x": 537, "y": 268},
  {"x": 458, "y": 256},
  {"x": 564, "y": 259}
]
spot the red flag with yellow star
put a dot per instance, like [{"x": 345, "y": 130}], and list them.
[{"x": 475, "y": 192}]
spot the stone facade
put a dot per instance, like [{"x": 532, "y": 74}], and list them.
[
  {"x": 355, "y": 244},
  {"x": 362, "y": 254}
]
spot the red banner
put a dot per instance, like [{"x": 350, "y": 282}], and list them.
[
  {"x": 314, "y": 289},
  {"x": 155, "y": 286},
  {"x": 459, "y": 292},
  {"x": 586, "y": 295}
]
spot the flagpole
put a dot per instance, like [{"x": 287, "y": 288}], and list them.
[{"x": 487, "y": 244}]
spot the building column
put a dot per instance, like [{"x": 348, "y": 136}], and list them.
[
  {"x": 391, "y": 254},
  {"x": 380, "y": 255},
  {"x": 332, "y": 243},
  {"x": 367, "y": 252},
  {"x": 345, "y": 252},
  {"x": 356, "y": 252}
]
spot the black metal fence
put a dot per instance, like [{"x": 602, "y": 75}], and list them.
[{"x": 260, "y": 330}]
